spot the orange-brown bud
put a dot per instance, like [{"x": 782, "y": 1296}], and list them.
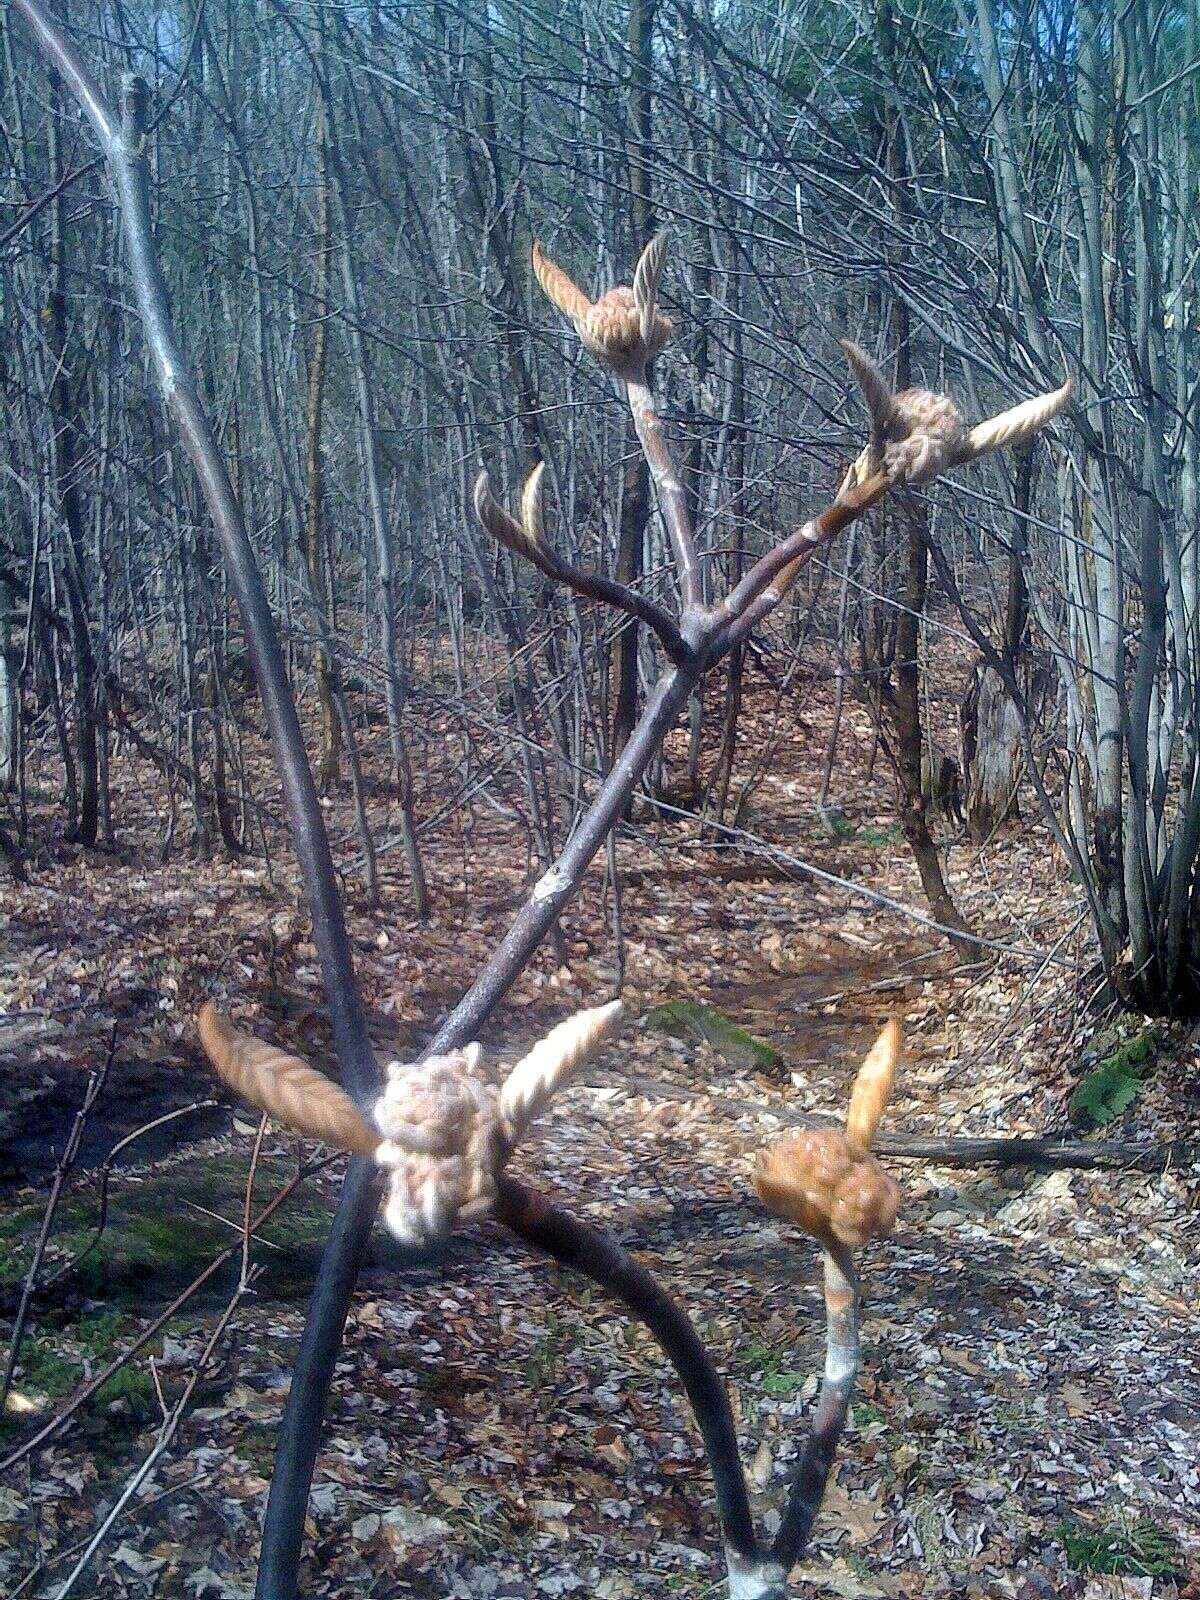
[
  {"x": 829, "y": 1185},
  {"x": 612, "y": 330},
  {"x": 562, "y": 290}
]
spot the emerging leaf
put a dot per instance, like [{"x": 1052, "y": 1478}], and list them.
[
  {"x": 284, "y": 1086},
  {"x": 1105, "y": 1093}
]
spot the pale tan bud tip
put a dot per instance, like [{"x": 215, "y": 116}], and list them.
[
  {"x": 532, "y": 503},
  {"x": 1016, "y": 425},
  {"x": 558, "y": 288},
  {"x": 493, "y": 518},
  {"x": 483, "y": 497},
  {"x": 873, "y": 1086},
  {"x": 284, "y": 1086},
  {"x": 646, "y": 276},
  {"x": 552, "y": 1061}
]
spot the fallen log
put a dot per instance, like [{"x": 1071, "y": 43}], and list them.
[{"x": 1043, "y": 1155}]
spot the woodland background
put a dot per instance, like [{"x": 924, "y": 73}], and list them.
[{"x": 957, "y": 775}]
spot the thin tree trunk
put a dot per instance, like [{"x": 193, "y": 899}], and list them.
[
  {"x": 382, "y": 534},
  {"x": 66, "y": 488},
  {"x": 992, "y": 776},
  {"x": 736, "y": 476},
  {"x": 385, "y": 567},
  {"x": 9, "y": 697},
  {"x": 316, "y": 554},
  {"x": 907, "y": 699},
  {"x": 635, "y": 495}
]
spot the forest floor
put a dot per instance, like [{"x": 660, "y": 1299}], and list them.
[{"x": 1027, "y": 1422}]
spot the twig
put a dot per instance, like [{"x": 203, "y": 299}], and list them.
[
  {"x": 36, "y": 1571},
  {"x": 106, "y": 1175},
  {"x": 1043, "y": 1155},
  {"x": 668, "y": 485},
  {"x": 95, "y": 1084}
]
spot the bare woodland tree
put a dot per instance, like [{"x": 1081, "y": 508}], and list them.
[
  {"x": 442, "y": 1133},
  {"x": 361, "y": 329}
]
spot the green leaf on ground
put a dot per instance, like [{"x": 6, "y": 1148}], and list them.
[
  {"x": 1105, "y": 1093},
  {"x": 688, "y": 1019},
  {"x": 1113, "y": 1086}
]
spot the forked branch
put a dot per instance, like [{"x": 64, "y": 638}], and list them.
[
  {"x": 527, "y": 539},
  {"x": 447, "y": 1136}
]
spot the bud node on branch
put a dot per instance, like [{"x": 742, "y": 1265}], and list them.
[
  {"x": 441, "y": 1132},
  {"x": 917, "y": 435}
]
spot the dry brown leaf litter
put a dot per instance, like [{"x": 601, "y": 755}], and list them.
[{"x": 496, "y": 1430}]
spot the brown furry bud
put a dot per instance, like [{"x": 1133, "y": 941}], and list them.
[
  {"x": 612, "y": 330},
  {"x": 827, "y": 1184},
  {"x": 925, "y": 432},
  {"x": 624, "y": 328},
  {"x": 865, "y": 1204}
]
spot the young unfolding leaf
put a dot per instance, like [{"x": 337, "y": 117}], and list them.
[
  {"x": 876, "y": 392},
  {"x": 533, "y": 515},
  {"x": 550, "y": 1064},
  {"x": 645, "y": 287},
  {"x": 826, "y": 1180},
  {"x": 284, "y": 1086},
  {"x": 918, "y": 434},
  {"x": 873, "y": 1086},
  {"x": 558, "y": 288},
  {"x": 506, "y": 530},
  {"x": 449, "y": 1134},
  {"x": 1016, "y": 425}
]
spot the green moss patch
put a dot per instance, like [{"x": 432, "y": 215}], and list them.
[
  {"x": 1136, "y": 1549},
  {"x": 162, "y": 1232},
  {"x": 689, "y": 1019}
]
